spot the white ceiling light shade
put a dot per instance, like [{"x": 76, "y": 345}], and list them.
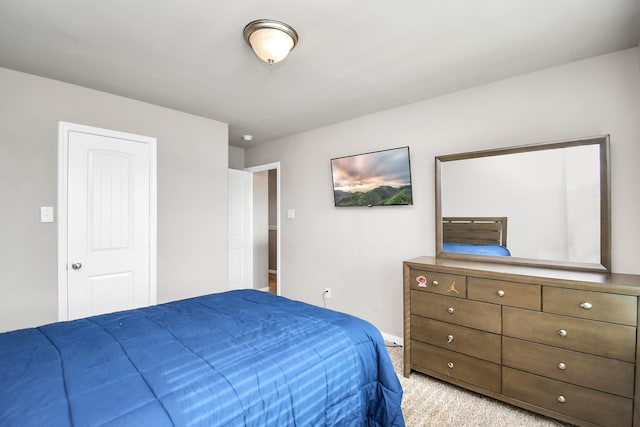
[{"x": 270, "y": 40}]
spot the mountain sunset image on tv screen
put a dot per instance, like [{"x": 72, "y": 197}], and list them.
[{"x": 380, "y": 178}]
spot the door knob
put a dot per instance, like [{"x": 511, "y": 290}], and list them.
[{"x": 76, "y": 265}]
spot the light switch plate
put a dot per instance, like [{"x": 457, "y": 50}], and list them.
[
  {"x": 291, "y": 213},
  {"x": 46, "y": 214}
]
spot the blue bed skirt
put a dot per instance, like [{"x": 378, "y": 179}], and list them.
[{"x": 239, "y": 358}]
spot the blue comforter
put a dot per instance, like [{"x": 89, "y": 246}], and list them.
[
  {"x": 478, "y": 249},
  {"x": 240, "y": 358}
]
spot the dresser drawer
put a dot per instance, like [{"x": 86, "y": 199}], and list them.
[
  {"x": 579, "y": 402},
  {"x": 479, "y": 344},
  {"x": 588, "y": 336},
  {"x": 610, "y": 375},
  {"x": 474, "y": 314},
  {"x": 439, "y": 283},
  {"x": 505, "y": 293},
  {"x": 455, "y": 365},
  {"x": 591, "y": 305}
]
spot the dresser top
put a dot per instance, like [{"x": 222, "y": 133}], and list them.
[{"x": 598, "y": 281}]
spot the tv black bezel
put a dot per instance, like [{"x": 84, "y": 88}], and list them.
[{"x": 333, "y": 184}]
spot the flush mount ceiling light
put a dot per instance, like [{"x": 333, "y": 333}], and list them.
[{"x": 270, "y": 40}]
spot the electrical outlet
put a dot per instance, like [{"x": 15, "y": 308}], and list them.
[{"x": 327, "y": 292}]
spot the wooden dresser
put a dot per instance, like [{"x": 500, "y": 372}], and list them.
[{"x": 558, "y": 342}]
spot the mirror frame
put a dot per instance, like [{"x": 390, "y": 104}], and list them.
[{"x": 605, "y": 205}]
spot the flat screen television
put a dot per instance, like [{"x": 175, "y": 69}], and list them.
[{"x": 379, "y": 178}]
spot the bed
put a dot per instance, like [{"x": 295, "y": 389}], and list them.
[
  {"x": 238, "y": 358},
  {"x": 475, "y": 235}
]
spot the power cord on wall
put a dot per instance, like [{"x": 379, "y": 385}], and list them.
[{"x": 324, "y": 301}]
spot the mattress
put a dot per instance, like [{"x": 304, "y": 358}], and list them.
[{"x": 239, "y": 358}]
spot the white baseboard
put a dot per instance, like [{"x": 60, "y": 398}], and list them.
[{"x": 392, "y": 338}]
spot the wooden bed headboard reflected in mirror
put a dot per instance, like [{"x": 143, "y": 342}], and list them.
[
  {"x": 555, "y": 195},
  {"x": 475, "y": 230}
]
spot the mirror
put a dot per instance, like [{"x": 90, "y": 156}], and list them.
[{"x": 550, "y": 200}]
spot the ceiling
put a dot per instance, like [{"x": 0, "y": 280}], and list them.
[{"x": 354, "y": 57}]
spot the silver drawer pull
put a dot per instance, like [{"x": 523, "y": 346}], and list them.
[
  {"x": 562, "y": 333},
  {"x": 450, "y": 310},
  {"x": 562, "y": 366},
  {"x": 435, "y": 283},
  {"x": 500, "y": 293},
  {"x": 561, "y": 399},
  {"x": 586, "y": 305},
  {"x": 450, "y": 365},
  {"x": 449, "y": 339}
]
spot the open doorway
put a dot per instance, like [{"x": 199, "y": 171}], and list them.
[
  {"x": 267, "y": 272},
  {"x": 273, "y": 231}
]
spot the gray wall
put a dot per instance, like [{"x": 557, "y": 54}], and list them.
[
  {"x": 192, "y": 191},
  {"x": 236, "y": 157},
  {"x": 359, "y": 251}
]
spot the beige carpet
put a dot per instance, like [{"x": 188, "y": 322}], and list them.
[{"x": 431, "y": 402}]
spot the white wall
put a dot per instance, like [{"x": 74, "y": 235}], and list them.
[
  {"x": 192, "y": 191},
  {"x": 359, "y": 252}
]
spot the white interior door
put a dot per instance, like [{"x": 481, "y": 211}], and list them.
[
  {"x": 240, "y": 229},
  {"x": 110, "y": 221}
]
